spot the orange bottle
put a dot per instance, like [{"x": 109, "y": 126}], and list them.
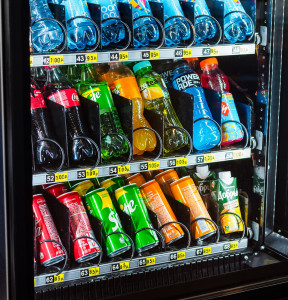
[{"x": 122, "y": 81}]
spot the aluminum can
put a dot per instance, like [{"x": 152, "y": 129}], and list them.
[
  {"x": 149, "y": 175},
  {"x": 83, "y": 187},
  {"x": 112, "y": 184},
  {"x": 137, "y": 178},
  {"x": 185, "y": 191},
  {"x": 157, "y": 202},
  {"x": 131, "y": 202},
  {"x": 101, "y": 207},
  {"x": 50, "y": 253},
  {"x": 84, "y": 249},
  {"x": 57, "y": 189},
  {"x": 165, "y": 179}
]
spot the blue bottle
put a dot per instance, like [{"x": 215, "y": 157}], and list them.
[
  {"x": 177, "y": 30},
  {"x": 46, "y": 35},
  {"x": 205, "y": 27},
  {"x": 206, "y": 134},
  {"x": 113, "y": 31},
  {"x": 145, "y": 29},
  {"x": 80, "y": 32},
  {"x": 237, "y": 24}
]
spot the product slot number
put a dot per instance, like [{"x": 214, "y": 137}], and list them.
[
  {"x": 177, "y": 256},
  {"x": 203, "y": 251},
  {"x": 54, "y": 278},
  {"x": 235, "y": 49},
  {"x": 149, "y": 261},
  {"x": 87, "y": 174},
  {"x": 58, "y": 177},
  {"x": 183, "y": 53},
  {"x": 121, "y": 266},
  {"x": 153, "y": 165},
  {"x": 89, "y": 272},
  {"x": 119, "y": 56},
  {"x": 178, "y": 162},
  {"x": 231, "y": 246},
  {"x": 154, "y": 54},
  {"x": 207, "y": 158}
]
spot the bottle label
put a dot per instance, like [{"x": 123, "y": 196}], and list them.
[
  {"x": 37, "y": 100},
  {"x": 126, "y": 87},
  {"x": 150, "y": 88},
  {"x": 67, "y": 98},
  {"x": 140, "y": 8},
  {"x": 186, "y": 81}
]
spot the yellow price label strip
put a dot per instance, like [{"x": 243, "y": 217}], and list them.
[
  {"x": 234, "y": 245},
  {"x": 187, "y": 52},
  {"x": 181, "y": 255},
  {"x": 56, "y": 59},
  {"x": 124, "y": 265},
  {"x": 154, "y": 54},
  {"x": 238, "y": 154},
  {"x": 31, "y": 61},
  {"x": 244, "y": 49},
  {"x": 91, "y": 58},
  {"x": 123, "y": 169},
  {"x": 150, "y": 261},
  {"x": 59, "y": 278},
  {"x": 207, "y": 250},
  {"x": 94, "y": 271},
  {"x": 183, "y": 161},
  {"x": 123, "y": 56},
  {"x": 61, "y": 177},
  {"x": 153, "y": 165},
  {"x": 208, "y": 158},
  {"x": 214, "y": 51},
  {"x": 92, "y": 173}
]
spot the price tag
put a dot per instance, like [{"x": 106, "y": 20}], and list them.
[
  {"x": 121, "y": 266},
  {"x": 57, "y": 177},
  {"x": 89, "y": 272},
  {"x": 207, "y": 158},
  {"x": 119, "y": 170},
  {"x": 235, "y": 49},
  {"x": 31, "y": 61},
  {"x": 153, "y": 54},
  {"x": 119, "y": 56},
  {"x": 87, "y": 174},
  {"x": 238, "y": 154},
  {"x": 183, "y": 53},
  {"x": 203, "y": 251},
  {"x": 206, "y": 51},
  {"x": 214, "y": 51},
  {"x": 56, "y": 60},
  {"x": 153, "y": 165},
  {"x": 149, "y": 261},
  {"x": 178, "y": 162},
  {"x": 230, "y": 246},
  {"x": 54, "y": 278},
  {"x": 244, "y": 49},
  {"x": 177, "y": 256},
  {"x": 228, "y": 155},
  {"x": 91, "y": 58}
]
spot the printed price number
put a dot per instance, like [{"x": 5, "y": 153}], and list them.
[
  {"x": 31, "y": 61},
  {"x": 57, "y": 60},
  {"x": 153, "y": 165},
  {"x": 203, "y": 251},
  {"x": 177, "y": 256},
  {"x": 54, "y": 278},
  {"x": 230, "y": 246},
  {"x": 154, "y": 54},
  {"x": 238, "y": 154},
  {"x": 87, "y": 174},
  {"x": 183, "y": 53},
  {"x": 119, "y": 56},
  {"x": 119, "y": 170},
  {"x": 244, "y": 49},
  {"x": 149, "y": 261},
  {"x": 178, "y": 162},
  {"x": 91, "y": 58},
  {"x": 235, "y": 49},
  {"x": 210, "y": 51},
  {"x": 214, "y": 51},
  {"x": 121, "y": 266},
  {"x": 207, "y": 158},
  {"x": 58, "y": 177},
  {"x": 89, "y": 272}
]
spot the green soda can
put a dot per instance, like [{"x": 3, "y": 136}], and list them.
[
  {"x": 112, "y": 184},
  {"x": 101, "y": 207},
  {"x": 96, "y": 182},
  {"x": 83, "y": 187},
  {"x": 131, "y": 202}
]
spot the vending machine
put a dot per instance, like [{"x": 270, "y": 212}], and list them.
[{"x": 143, "y": 149}]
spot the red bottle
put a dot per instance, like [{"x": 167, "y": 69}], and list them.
[{"x": 61, "y": 91}]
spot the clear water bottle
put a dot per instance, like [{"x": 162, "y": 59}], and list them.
[
  {"x": 80, "y": 32},
  {"x": 145, "y": 29},
  {"x": 113, "y": 31},
  {"x": 177, "y": 29},
  {"x": 237, "y": 24},
  {"x": 206, "y": 133},
  {"x": 47, "y": 34},
  {"x": 205, "y": 27}
]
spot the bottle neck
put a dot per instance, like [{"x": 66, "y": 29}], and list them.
[
  {"x": 87, "y": 73},
  {"x": 143, "y": 71},
  {"x": 209, "y": 68},
  {"x": 55, "y": 75}
]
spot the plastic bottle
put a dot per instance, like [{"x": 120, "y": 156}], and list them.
[
  {"x": 80, "y": 32},
  {"x": 194, "y": 64},
  {"x": 165, "y": 69},
  {"x": 214, "y": 79},
  {"x": 113, "y": 31},
  {"x": 145, "y": 29},
  {"x": 91, "y": 87},
  {"x": 47, "y": 35},
  {"x": 121, "y": 81},
  {"x": 156, "y": 98},
  {"x": 74, "y": 75},
  {"x": 205, "y": 27},
  {"x": 206, "y": 134},
  {"x": 177, "y": 29},
  {"x": 237, "y": 24},
  {"x": 39, "y": 75},
  {"x": 47, "y": 154},
  {"x": 61, "y": 91}
]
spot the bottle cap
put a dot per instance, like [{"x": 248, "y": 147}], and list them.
[
  {"x": 180, "y": 63},
  {"x": 141, "y": 65},
  {"x": 226, "y": 175},
  {"x": 50, "y": 67},
  {"x": 191, "y": 59},
  {"x": 208, "y": 62},
  {"x": 203, "y": 171}
]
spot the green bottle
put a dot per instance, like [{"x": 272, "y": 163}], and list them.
[
  {"x": 156, "y": 98},
  {"x": 93, "y": 87},
  {"x": 74, "y": 75}
]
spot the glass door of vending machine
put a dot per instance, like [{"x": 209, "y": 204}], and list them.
[{"x": 145, "y": 162}]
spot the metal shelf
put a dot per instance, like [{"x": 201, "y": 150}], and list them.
[
  {"x": 152, "y": 261},
  {"x": 136, "y": 55},
  {"x": 141, "y": 166}
]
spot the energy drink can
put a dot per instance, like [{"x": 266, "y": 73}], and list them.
[
  {"x": 112, "y": 184},
  {"x": 137, "y": 178},
  {"x": 157, "y": 202},
  {"x": 83, "y": 187},
  {"x": 131, "y": 202},
  {"x": 185, "y": 191},
  {"x": 101, "y": 207},
  {"x": 57, "y": 189},
  {"x": 165, "y": 179},
  {"x": 50, "y": 253},
  {"x": 84, "y": 249}
]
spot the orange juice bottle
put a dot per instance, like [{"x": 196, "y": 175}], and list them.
[{"x": 122, "y": 82}]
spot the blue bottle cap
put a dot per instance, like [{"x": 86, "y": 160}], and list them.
[{"x": 141, "y": 65}]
